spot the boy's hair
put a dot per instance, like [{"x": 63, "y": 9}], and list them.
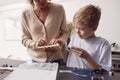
[{"x": 88, "y": 15}]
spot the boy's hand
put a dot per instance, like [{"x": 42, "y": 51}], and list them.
[{"x": 78, "y": 51}]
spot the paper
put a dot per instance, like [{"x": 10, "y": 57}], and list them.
[
  {"x": 32, "y": 74},
  {"x": 56, "y": 46},
  {"x": 34, "y": 71},
  {"x": 40, "y": 66}
]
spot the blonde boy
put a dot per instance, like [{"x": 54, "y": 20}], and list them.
[{"x": 87, "y": 50}]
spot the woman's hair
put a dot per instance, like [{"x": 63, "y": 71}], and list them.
[
  {"x": 30, "y": 2},
  {"x": 88, "y": 15}
]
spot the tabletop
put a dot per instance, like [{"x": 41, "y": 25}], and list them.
[
  {"x": 67, "y": 75},
  {"x": 70, "y": 76}
]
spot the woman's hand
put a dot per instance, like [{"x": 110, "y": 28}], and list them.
[
  {"x": 53, "y": 42},
  {"x": 42, "y": 42},
  {"x": 57, "y": 41},
  {"x": 80, "y": 52}
]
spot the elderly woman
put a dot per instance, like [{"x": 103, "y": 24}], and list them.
[{"x": 44, "y": 23}]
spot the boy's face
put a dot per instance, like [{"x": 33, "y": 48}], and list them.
[{"x": 85, "y": 32}]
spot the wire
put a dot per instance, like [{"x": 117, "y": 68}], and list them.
[{"x": 84, "y": 73}]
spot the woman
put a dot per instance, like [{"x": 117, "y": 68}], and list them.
[{"x": 44, "y": 23}]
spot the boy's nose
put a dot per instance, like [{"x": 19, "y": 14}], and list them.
[{"x": 78, "y": 31}]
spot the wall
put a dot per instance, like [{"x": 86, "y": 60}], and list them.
[
  {"x": 9, "y": 2},
  {"x": 11, "y": 48}
]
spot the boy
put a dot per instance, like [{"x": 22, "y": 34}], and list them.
[{"x": 88, "y": 51}]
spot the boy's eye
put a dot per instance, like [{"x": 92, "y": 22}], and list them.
[{"x": 81, "y": 29}]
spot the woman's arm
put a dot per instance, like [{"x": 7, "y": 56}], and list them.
[
  {"x": 64, "y": 53},
  {"x": 26, "y": 36},
  {"x": 64, "y": 30}
]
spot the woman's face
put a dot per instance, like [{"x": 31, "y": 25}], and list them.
[{"x": 41, "y": 3}]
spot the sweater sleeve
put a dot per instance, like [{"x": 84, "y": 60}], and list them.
[
  {"x": 64, "y": 30},
  {"x": 27, "y": 40}
]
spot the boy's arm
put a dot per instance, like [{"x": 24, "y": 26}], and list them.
[
  {"x": 92, "y": 63},
  {"x": 84, "y": 54}
]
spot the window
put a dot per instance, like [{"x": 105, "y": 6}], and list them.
[{"x": 10, "y": 32}]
